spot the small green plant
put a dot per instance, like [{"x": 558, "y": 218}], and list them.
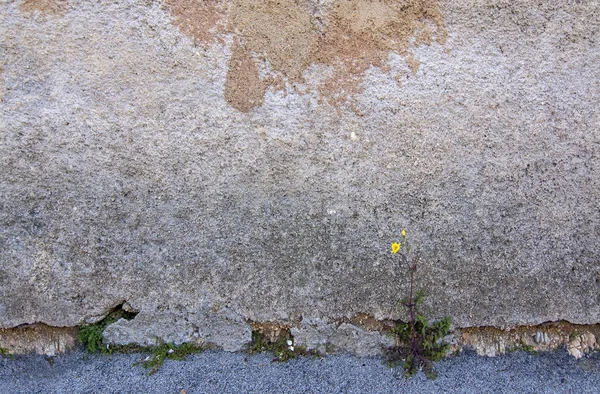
[
  {"x": 522, "y": 346},
  {"x": 5, "y": 353},
  {"x": 283, "y": 347},
  {"x": 419, "y": 342},
  {"x": 575, "y": 335},
  {"x": 528, "y": 349},
  {"x": 168, "y": 351},
  {"x": 93, "y": 341},
  {"x": 91, "y": 337}
]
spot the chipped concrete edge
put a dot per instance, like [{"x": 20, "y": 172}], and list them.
[
  {"x": 361, "y": 335},
  {"x": 578, "y": 339},
  {"x": 38, "y": 338}
]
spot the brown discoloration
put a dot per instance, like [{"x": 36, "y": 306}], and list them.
[
  {"x": 244, "y": 89},
  {"x": 38, "y": 338},
  {"x": 425, "y": 36},
  {"x": 412, "y": 63},
  {"x": 199, "y": 19},
  {"x": 354, "y": 36},
  {"x": 362, "y": 33},
  {"x": 281, "y": 31},
  {"x": 270, "y": 330},
  {"x": 278, "y": 31},
  {"x": 53, "y": 7},
  {"x": 368, "y": 322}
]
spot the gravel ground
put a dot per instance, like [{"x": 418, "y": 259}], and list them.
[{"x": 222, "y": 372}]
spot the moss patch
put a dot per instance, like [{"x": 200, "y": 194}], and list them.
[
  {"x": 91, "y": 337},
  {"x": 168, "y": 351},
  {"x": 5, "y": 353}
]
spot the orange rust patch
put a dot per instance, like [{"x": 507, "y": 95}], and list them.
[
  {"x": 244, "y": 89},
  {"x": 353, "y": 36},
  {"x": 54, "y": 7}
]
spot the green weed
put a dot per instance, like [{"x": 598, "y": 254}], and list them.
[
  {"x": 419, "y": 342},
  {"x": 91, "y": 337},
  {"x": 93, "y": 341}
]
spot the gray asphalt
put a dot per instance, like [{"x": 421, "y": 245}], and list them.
[{"x": 222, "y": 372}]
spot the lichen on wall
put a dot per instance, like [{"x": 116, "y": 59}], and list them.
[{"x": 349, "y": 38}]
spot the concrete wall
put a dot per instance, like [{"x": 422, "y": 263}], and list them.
[{"x": 212, "y": 164}]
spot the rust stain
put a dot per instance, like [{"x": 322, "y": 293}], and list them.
[
  {"x": 52, "y": 7},
  {"x": 352, "y": 36}
]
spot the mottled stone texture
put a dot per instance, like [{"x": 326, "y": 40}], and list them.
[{"x": 136, "y": 166}]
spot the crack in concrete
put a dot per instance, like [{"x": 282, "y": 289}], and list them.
[{"x": 577, "y": 339}]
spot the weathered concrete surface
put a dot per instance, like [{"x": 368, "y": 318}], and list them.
[
  {"x": 224, "y": 328},
  {"x": 259, "y": 158},
  {"x": 324, "y": 338}
]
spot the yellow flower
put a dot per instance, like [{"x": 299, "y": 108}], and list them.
[
  {"x": 395, "y": 247},
  {"x": 403, "y": 233}
]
